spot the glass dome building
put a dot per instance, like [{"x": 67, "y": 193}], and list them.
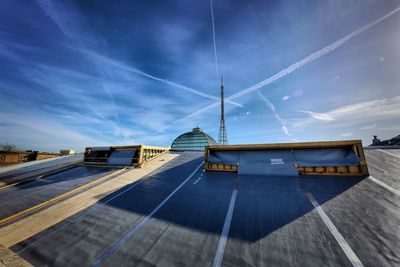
[{"x": 194, "y": 140}]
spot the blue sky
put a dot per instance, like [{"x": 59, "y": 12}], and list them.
[{"x": 85, "y": 73}]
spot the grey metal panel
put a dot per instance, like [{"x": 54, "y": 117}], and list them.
[
  {"x": 100, "y": 148},
  {"x": 325, "y": 157},
  {"x": 227, "y": 157},
  {"x": 267, "y": 162},
  {"x": 281, "y": 161},
  {"x": 121, "y": 157}
]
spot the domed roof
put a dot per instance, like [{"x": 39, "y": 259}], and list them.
[{"x": 194, "y": 140}]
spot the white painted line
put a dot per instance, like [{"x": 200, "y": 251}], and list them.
[
  {"x": 225, "y": 231},
  {"x": 378, "y": 168},
  {"x": 386, "y": 186},
  {"x": 107, "y": 253},
  {"x": 389, "y": 153},
  {"x": 197, "y": 180},
  {"x": 94, "y": 208},
  {"x": 355, "y": 261}
]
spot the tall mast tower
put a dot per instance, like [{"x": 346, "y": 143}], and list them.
[{"x": 222, "y": 137}]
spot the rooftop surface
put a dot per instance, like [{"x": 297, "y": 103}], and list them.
[{"x": 173, "y": 214}]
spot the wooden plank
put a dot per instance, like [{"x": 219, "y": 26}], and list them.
[
  {"x": 331, "y": 174},
  {"x": 10, "y": 259},
  {"x": 156, "y": 147}
]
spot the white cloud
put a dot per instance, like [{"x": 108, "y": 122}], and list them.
[
  {"x": 30, "y": 131},
  {"x": 121, "y": 65},
  {"x": 347, "y": 134},
  {"x": 286, "y": 131},
  {"x": 295, "y": 66},
  {"x": 297, "y": 93},
  {"x": 387, "y": 109},
  {"x": 271, "y": 106},
  {"x": 372, "y": 126},
  {"x": 286, "y": 97},
  {"x": 319, "y": 116}
]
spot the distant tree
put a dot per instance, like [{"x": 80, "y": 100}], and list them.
[{"x": 8, "y": 147}]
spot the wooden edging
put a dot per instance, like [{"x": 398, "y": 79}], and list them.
[
  {"x": 57, "y": 198},
  {"x": 32, "y": 177},
  {"x": 10, "y": 259}
]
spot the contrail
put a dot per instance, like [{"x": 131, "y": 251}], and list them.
[
  {"x": 297, "y": 65},
  {"x": 142, "y": 73},
  {"x": 215, "y": 43},
  {"x": 271, "y": 106},
  {"x": 312, "y": 57},
  {"x": 63, "y": 21}
]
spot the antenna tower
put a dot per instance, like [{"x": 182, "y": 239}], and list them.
[{"x": 222, "y": 137}]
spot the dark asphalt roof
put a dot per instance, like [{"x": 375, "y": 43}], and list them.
[{"x": 175, "y": 217}]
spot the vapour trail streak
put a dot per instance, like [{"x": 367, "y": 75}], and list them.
[
  {"x": 271, "y": 106},
  {"x": 215, "y": 43},
  {"x": 312, "y": 57},
  {"x": 61, "y": 19},
  {"x": 147, "y": 75},
  {"x": 295, "y": 66}
]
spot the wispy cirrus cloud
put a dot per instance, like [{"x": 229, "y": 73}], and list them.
[
  {"x": 128, "y": 72},
  {"x": 386, "y": 109},
  {"x": 299, "y": 64},
  {"x": 28, "y": 128},
  {"x": 368, "y": 127},
  {"x": 325, "y": 117},
  {"x": 348, "y": 134},
  {"x": 73, "y": 27},
  {"x": 123, "y": 66},
  {"x": 271, "y": 106}
]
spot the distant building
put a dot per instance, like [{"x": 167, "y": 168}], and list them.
[
  {"x": 395, "y": 141},
  {"x": 376, "y": 141},
  {"x": 194, "y": 140},
  {"x": 14, "y": 157}
]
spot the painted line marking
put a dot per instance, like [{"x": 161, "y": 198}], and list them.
[
  {"x": 35, "y": 179},
  {"x": 28, "y": 181},
  {"x": 219, "y": 255},
  {"x": 198, "y": 179},
  {"x": 10, "y": 185},
  {"x": 107, "y": 253},
  {"x": 44, "y": 181},
  {"x": 384, "y": 185},
  {"x": 355, "y": 261},
  {"x": 378, "y": 168},
  {"x": 390, "y": 153},
  {"x": 57, "y": 198}
]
